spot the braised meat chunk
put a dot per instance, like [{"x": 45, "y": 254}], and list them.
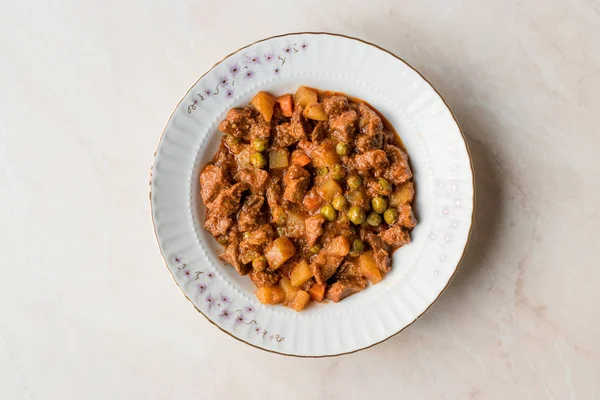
[
  {"x": 371, "y": 129},
  {"x": 250, "y": 215},
  {"x": 345, "y": 287},
  {"x": 283, "y": 135},
  {"x": 254, "y": 178},
  {"x": 313, "y": 228},
  {"x": 231, "y": 255},
  {"x": 399, "y": 170},
  {"x": 406, "y": 217},
  {"x": 395, "y": 236},
  {"x": 296, "y": 180},
  {"x": 237, "y": 123},
  {"x": 329, "y": 258},
  {"x": 228, "y": 200},
  {"x": 261, "y": 129},
  {"x": 299, "y": 126},
  {"x": 264, "y": 278},
  {"x": 372, "y": 160},
  {"x": 335, "y": 105},
  {"x": 310, "y": 194},
  {"x": 217, "y": 224},
  {"x": 212, "y": 179},
  {"x": 380, "y": 248},
  {"x": 343, "y": 127}
]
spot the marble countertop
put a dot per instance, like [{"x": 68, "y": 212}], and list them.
[{"x": 90, "y": 312}]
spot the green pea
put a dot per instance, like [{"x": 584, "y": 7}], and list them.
[
  {"x": 356, "y": 215},
  {"x": 343, "y": 149},
  {"x": 337, "y": 172},
  {"x": 339, "y": 202},
  {"x": 260, "y": 144},
  {"x": 315, "y": 249},
  {"x": 258, "y": 160},
  {"x": 374, "y": 219},
  {"x": 231, "y": 141},
  {"x": 329, "y": 212},
  {"x": 280, "y": 231},
  {"x": 385, "y": 185},
  {"x": 379, "y": 204},
  {"x": 322, "y": 171},
  {"x": 390, "y": 215},
  {"x": 246, "y": 235},
  {"x": 223, "y": 240},
  {"x": 259, "y": 263},
  {"x": 357, "y": 247},
  {"x": 354, "y": 182}
]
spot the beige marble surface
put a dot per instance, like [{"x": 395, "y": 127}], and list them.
[{"x": 88, "y": 311}]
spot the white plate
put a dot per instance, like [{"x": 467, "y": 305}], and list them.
[{"x": 442, "y": 172}]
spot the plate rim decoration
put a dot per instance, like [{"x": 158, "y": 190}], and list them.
[{"x": 246, "y": 313}]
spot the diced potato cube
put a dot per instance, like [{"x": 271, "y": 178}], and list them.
[
  {"x": 243, "y": 157},
  {"x": 264, "y": 103},
  {"x": 403, "y": 194},
  {"x": 301, "y": 273},
  {"x": 289, "y": 290},
  {"x": 338, "y": 246},
  {"x": 368, "y": 267},
  {"x": 315, "y": 111},
  {"x": 286, "y": 104},
  {"x": 278, "y": 215},
  {"x": 270, "y": 294},
  {"x": 329, "y": 189},
  {"x": 317, "y": 292},
  {"x": 304, "y": 96},
  {"x": 324, "y": 155},
  {"x": 300, "y": 301},
  {"x": 295, "y": 224},
  {"x": 279, "y": 251},
  {"x": 279, "y": 158}
]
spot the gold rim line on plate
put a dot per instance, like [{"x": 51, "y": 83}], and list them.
[{"x": 472, "y": 182}]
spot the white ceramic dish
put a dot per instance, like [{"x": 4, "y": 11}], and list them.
[{"x": 442, "y": 171}]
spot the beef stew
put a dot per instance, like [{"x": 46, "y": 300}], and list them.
[{"x": 309, "y": 194}]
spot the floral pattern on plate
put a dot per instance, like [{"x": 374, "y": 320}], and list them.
[
  {"x": 238, "y": 315},
  {"x": 245, "y": 70}
]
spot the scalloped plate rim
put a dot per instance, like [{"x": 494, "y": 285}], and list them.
[{"x": 471, "y": 170}]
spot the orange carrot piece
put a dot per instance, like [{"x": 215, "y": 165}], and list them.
[
  {"x": 317, "y": 292},
  {"x": 287, "y": 105},
  {"x": 312, "y": 200},
  {"x": 300, "y": 158}
]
